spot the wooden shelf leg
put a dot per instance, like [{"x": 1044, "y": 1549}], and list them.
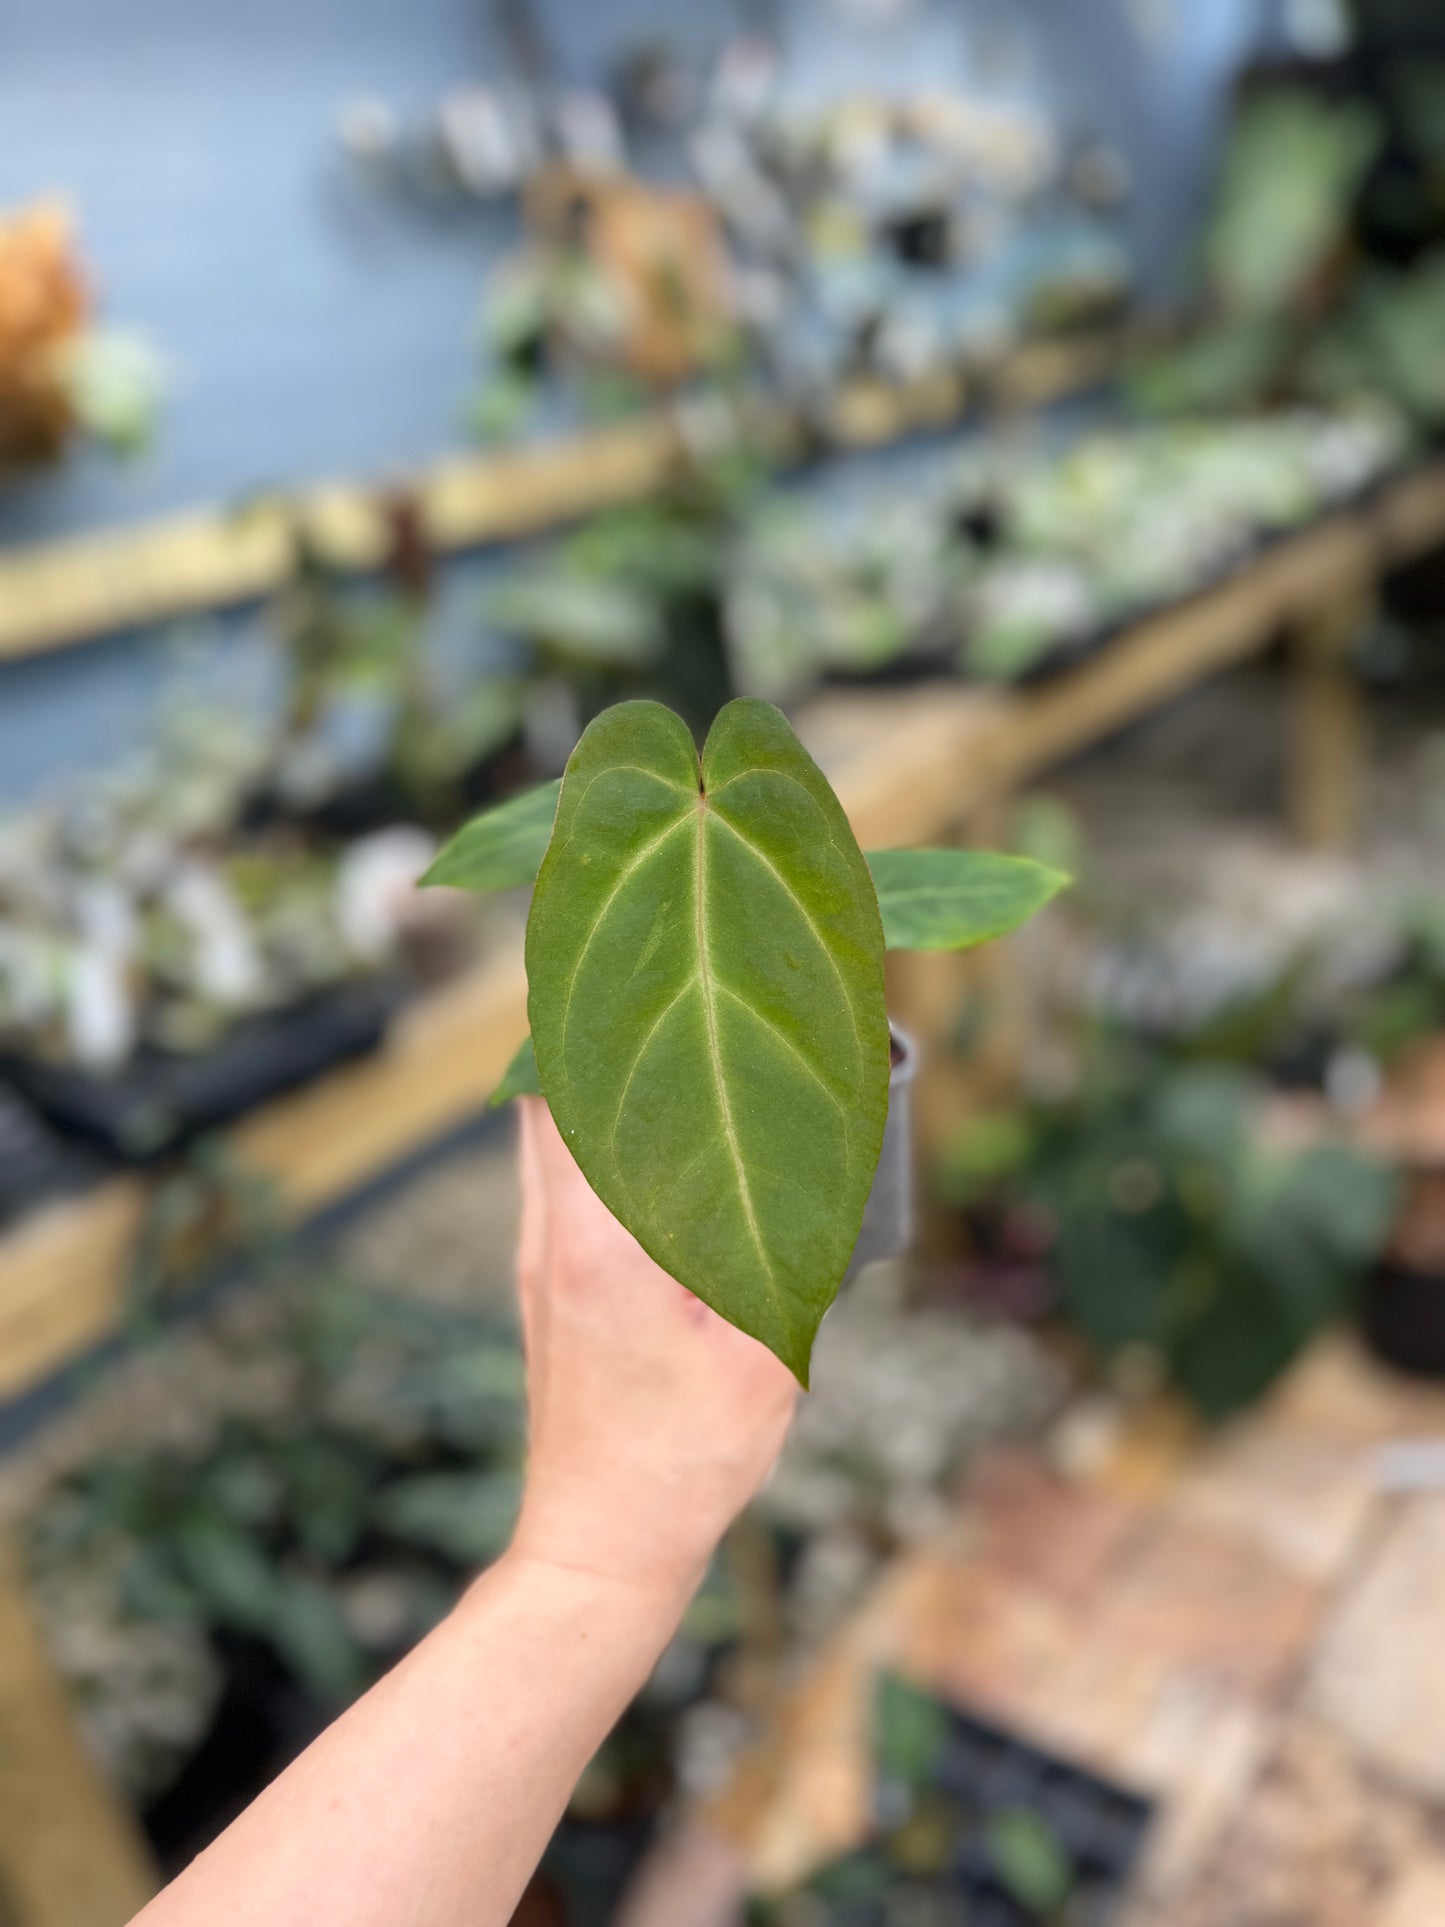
[
  {"x": 1329, "y": 752},
  {"x": 69, "y": 1855}
]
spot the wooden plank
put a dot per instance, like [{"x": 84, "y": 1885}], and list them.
[
  {"x": 69, "y": 1855},
  {"x": 1410, "y": 517},
  {"x": 1162, "y": 657},
  {"x": 71, "y": 591},
  {"x": 55, "y": 594},
  {"x": 63, "y": 1273}
]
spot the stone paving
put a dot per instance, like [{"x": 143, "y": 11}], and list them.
[{"x": 1246, "y": 1626}]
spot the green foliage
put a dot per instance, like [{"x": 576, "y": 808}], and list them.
[
  {"x": 954, "y": 899},
  {"x": 585, "y": 621},
  {"x": 394, "y": 1452},
  {"x": 116, "y": 386},
  {"x": 521, "y": 1079},
  {"x": 1389, "y": 339},
  {"x": 1031, "y": 1861},
  {"x": 1294, "y": 166},
  {"x": 1221, "y": 370},
  {"x": 502, "y": 848},
  {"x": 704, "y": 960},
  {"x": 910, "y": 1733},
  {"x": 1170, "y": 1222},
  {"x": 468, "y": 1516}
]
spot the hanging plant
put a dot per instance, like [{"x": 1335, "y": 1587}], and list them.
[{"x": 705, "y": 991}]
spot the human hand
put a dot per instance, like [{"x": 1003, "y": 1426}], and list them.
[{"x": 652, "y": 1420}]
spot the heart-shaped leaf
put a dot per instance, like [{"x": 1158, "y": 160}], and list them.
[
  {"x": 705, "y": 987},
  {"x": 501, "y": 848},
  {"x": 952, "y": 899}
]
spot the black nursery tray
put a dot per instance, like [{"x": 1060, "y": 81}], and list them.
[
  {"x": 35, "y": 1164},
  {"x": 160, "y": 1099},
  {"x": 960, "y": 1805},
  {"x": 368, "y": 803}
]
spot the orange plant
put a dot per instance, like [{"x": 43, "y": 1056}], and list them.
[{"x": 44, "y": 307}]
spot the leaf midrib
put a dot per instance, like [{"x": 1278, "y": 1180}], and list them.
[{"x": 709, "y": 1005}]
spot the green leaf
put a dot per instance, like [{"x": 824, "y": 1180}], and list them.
[
  {"x": 1031, "y": 1861},
  {"x": 520, "y": 1080},
  {"x": 584, "y": 619},
  {"x": 502, "y": 848},
  {"x": 467, "y": 1516},
  {"x": 705, "y": 972},
  {"x": 911, "y": 1733},
  {"x": 953, "y": 899}
]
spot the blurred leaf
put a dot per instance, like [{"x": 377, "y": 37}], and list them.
[
  {"x": 589, "y": 620},
  {"x": 468, "y": 1516},
  {"x": 310, "y": 1631},
  {"x": 986, "y": 1148},
  {"x": 860, "y": 1876},
  {"x": 116, "y": 384},
  {"x": 520, "y": 1078},
  {"x": 468, "y": 728},
  {"x": 910, "y": 1733},
  {"x": 329, "y": 1490},
  {"x": 230, "y": 1572},
  {"x": 1030, "y": 1860},
  {"x": 502, "y": 405},
  {"x": 1294, "y": 164},
  {"x": 1225, "y": 368}
]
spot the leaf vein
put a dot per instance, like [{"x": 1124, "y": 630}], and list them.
[
  {"x": 642, "y": 1050},
  {"x": 802, "y": 909},
  {"x": 783, "y": 1038},
  {"x": 623, "y": 877}
]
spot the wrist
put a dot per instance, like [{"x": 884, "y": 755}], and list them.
[
  {"x": 627, "y": 1619},
  {"x": 654, "y": 1583}
]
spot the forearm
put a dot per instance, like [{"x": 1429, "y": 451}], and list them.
[{"x": 429, "y": 1803}]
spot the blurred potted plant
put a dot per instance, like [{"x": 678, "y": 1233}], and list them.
[
  {"x": 1169, "y": 1225},
  {"x": 278, "y": 1560},
  {"x": 971, "y": 1822},
  {"x": 437, "y": 751},
  {"x": 631, "y": 604},
  {"x": 61, "y": 376},
  {"x": 161, "y": 971}
]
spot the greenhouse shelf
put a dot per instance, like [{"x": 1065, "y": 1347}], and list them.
[{"x": 911, "y": 765}]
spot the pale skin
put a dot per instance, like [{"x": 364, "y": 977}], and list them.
[{"x": 652, "y": 1422}]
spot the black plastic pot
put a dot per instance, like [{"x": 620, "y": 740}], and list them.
[
  {"x": 888, "y": 1219},
  {"x": 1402, "y": 1316},
  {"x": 160, "y": 1099}
]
